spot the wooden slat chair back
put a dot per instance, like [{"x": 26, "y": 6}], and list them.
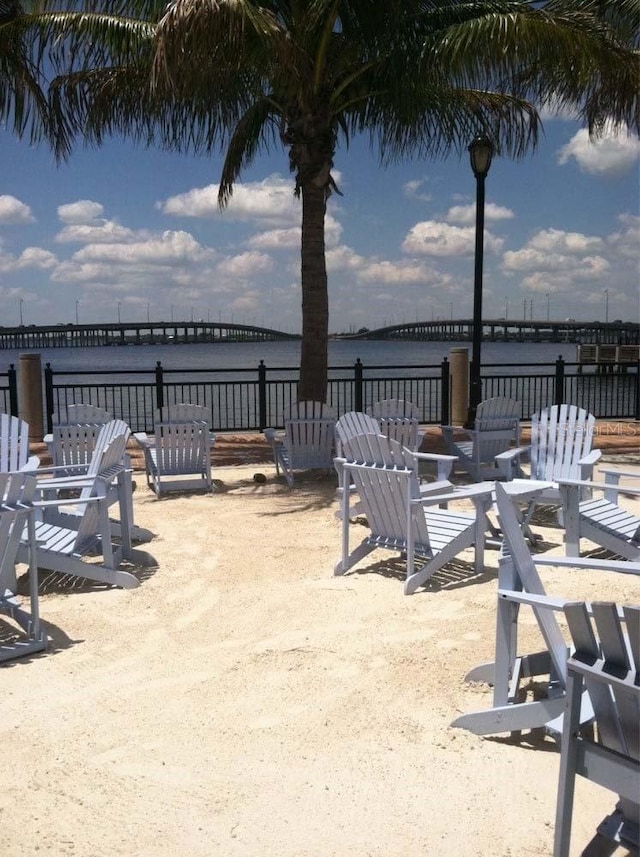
[
  {"x": 385, "y": 478},
  {"x": 65, "y": 540},
  {"x": 519, "y": 583},
  {"x": 308, "y": 440},
  {"x": 17, "y": 491},
  {"x": 561, "y": 437},
  {"x": 74, "y": 433},
  {"x": 353, "y": 423},
  {"x": 607, "y": 664},
  {"x": 14, "y": 445},
  {"x": 600, "y": 517},
  {"x": 399, "y": 420},
  {"x": 179, "y": 456},
  {"x": 496, "y": 429},
  {"x": 561, "y": 448}
]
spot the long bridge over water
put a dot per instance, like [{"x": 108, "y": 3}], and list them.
[{"x": 451, "y": 330}]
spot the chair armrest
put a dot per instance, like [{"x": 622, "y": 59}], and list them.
[
  {"x": 142, "y": 439},
  {"x": 586, "y": 463},
  {"x": 621, "y": 566},
  {"x": 77, "y": 470},
  {"x": 32, "y": 464},
  {"x": 469, "y": 492},
  {"x": 505, "y": 460},
  {"x": 602, "y": 486},
  {"x": 445, "y": 462},
  {"x": 67, "y": 501},
  {"x": 272, "y": 436},
  {"x": 615, "y": 475}
]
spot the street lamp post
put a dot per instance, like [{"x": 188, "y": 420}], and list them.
[
  {"x": 119, "y": 303},
  {"x": 481, "y": 153},
  {"x": 77, "y": 305},
  {"x": 21, "y": 318},
  {"x": 606, "y": 306}
]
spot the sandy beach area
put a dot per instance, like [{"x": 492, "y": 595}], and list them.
[{"x": 244, "y": 701}]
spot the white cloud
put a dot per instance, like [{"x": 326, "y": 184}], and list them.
[
  {"x": 614, "y": 152},
  {"x": 552, "y": 240},
  {"x": 277, "y": 239},
  {"x": 394, "y": 272},
  {"x": 289, "y": 239},
  {"x": 467, "y": 213},
  {"x": 431, "y": 238},
  {"x": 170, "y": 248},
  {"x": 411, "y": 190},
  {"x": 343, "y": 259},
  {"x": 82, "y": 211},
  {"x": 31, "y": 257},
  {"x": 12, "y": 211},
  {"x": 107, "y": 232},
  {"x": 245, "y": 265},
  {"x": 626, "y": 242},
  {"x": 271, "y": 200}
]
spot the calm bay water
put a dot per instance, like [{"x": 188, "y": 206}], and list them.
[{"x": 247, "y": 355}]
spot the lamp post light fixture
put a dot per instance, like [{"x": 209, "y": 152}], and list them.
[{"x": 480, "y": 153}]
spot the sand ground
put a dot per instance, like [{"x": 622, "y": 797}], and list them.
[{"x": 243, "y": 701}]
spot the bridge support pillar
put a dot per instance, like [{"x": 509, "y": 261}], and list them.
[
  {"x": 459, "y": 372},
  {"x": 30, "y": 394}
]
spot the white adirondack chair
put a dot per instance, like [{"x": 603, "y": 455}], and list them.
[
  {"x": 398, "y": 420},
  {"x": 561, "y": 440},
  {"x": 385, "y": 477},
  {"x": 609, "y": 670},
  {"x": 496, "y": 429},
  {"x": 74, "y": 433},
  {"x": 14, "y": 445},
  {"x": 179, "y": 456},
  {"x": 16, "y": 517},
  {"x": 308, "y": 440},
  {"x": 78, "y": 480},
  {"x": 64, "y": 541},
  {"x": 602, "y": 519},
  {"x": 519, "y": 583}
]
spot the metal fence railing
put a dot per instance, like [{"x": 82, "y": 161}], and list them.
[
  {"x": 251, "y": 399},
  {"x": 9, "y": 391}
]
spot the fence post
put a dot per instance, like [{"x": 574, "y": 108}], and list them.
[
  {"x": 358, "y": 370},
  {"x": 30, "y": 396},
  {"x": 638, "y": 390},
  {"x": 159, "y": 386},
  {"x": 559, "y": 381},
  {"x": 445, "y": 392},
  {"x": 48, "y": 396},
  {"x": 13, "y": 390},
  {"x": 262, "y": 396}
]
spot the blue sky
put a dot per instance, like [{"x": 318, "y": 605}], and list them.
[{"x": 136, "y": 232}]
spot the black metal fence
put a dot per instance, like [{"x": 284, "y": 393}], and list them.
[
  {"x": 9, "y": 391},
  {"x": 251, "y": 399}
]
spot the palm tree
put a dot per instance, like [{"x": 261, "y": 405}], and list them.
[
  {"x": 23, "y": 99},
  {"x": 420, "y": 78}
]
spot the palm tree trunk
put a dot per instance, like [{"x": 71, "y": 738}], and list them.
[{"x": 315, "y": 302}]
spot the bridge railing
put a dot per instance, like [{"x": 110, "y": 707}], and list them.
[{"x": 251, "y": 399}]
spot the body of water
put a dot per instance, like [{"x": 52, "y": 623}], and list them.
[{"x": 247, "y": 355}]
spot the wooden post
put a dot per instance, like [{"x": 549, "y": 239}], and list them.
[
  {"x": 459, "y": 363},
  {"x": 30, "y": 398}
]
